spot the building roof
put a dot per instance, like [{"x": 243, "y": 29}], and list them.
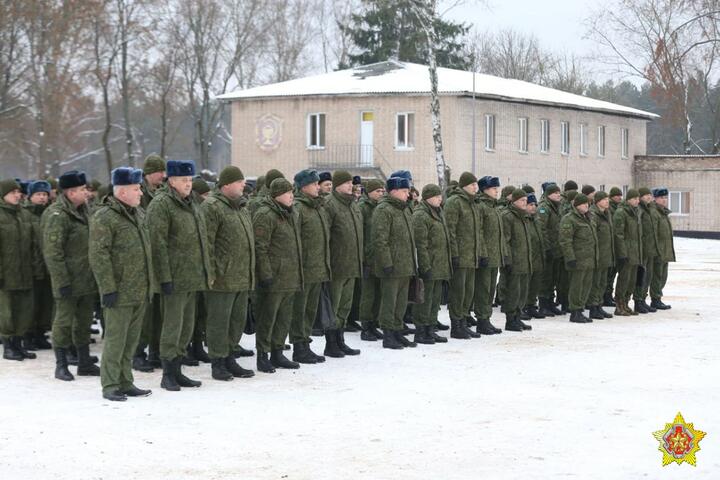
[{"x": 402, "y": 78}]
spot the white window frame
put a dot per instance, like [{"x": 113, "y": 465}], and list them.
[
  {"x": 565, "y": 138},
  {"x": 320, "y": 140},
  {"x": 544, "y": 135},
  {"x": 490, "y": 132},
  {"x": 681, "y": 203},
  {"x": 583, "y": 139},
  {"x": 522, "y": 134},
  {"x": 409, "y": 131},
  {"x": 624, "y": 142},
  {"x": 601, "y": 141}
]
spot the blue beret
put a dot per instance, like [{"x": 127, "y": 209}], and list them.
[
  {"x": 72, "y": 179},
  {"x": 660, "y": 192},
  {"x": 180, "y": 168},
  {"x": 402, "y": 174},
  {"x": 325, "y": 177},
  {"x": 395, "y": 183},
  {"x": 306, "y": 177},
  {"x": 39, "y": 186},
  {"x": 531, "y": 198},
  {"x": 126, "y": 176},
  {"x": 488, "y": 182}
]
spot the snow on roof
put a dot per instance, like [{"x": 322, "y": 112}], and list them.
[{"x": 393, "y": 77}]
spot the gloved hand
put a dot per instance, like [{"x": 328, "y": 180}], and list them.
[
  {"x": 621, "y": 262},
  {"x": 267, "y": 283},
  {"x": 426, "y": 275},
  {"x": 366, "y": 270},
  {"x": 109, "y": 299},
  {"x": 66, "y": 291},
  {"x": 388, "y": 270},
  {"x": 167, "y": 288},
  {"x": 483, "y": 262},
  {"x": 571, "y": 264},
  {"x": 455, "y": 262}
]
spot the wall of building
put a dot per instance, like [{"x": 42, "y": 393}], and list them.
[
  {"x": 343, "y": 131},
  {"x": 698, "y": 175}
]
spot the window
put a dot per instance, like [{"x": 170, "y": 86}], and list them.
[
  {"x": 583, "y": 139},
  {"x": 565, "y": 138},
  {"x": 601, "y": 188},
  {"x": 601, "y": 141},
  {"x": 679, "y": 202},
  {"x": 522, "y": 135},
  {"x": 624, "y": 141},
  {"x": 316, "y": 130},
  {"x": 545, "y": 136},
  {"x": 489, "y": 132},
  {"x": 405, "y": 131}
]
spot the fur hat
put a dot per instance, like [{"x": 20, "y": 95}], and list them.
[
  {"x": 660, "y": 192},
  {"x": 180, "y": 168},
  {"x": 430, "y": 190},
  {"x": 325, "y": 177},
  {"x": 126, "y": 176},
  {"x": 600, "y": 195},
  {"x": 72, "y": 179},
  {"x": 357, "y": 180},
  {"x": 644, "y": 191},
  {"x": 200, "y": 186},
  {"x": 580, "y": 198},
  {"x": 545, "y": 185},
  {"x": 340, "y": 177},
  {"x": 587, "y": 189},
  {"x": 528, "y": 188},
  {"x": 518, "y": 193},
  {"x": 615, "y": 191},
  {"x": 230, "y": 174},
  {"x": 271, "y": 175},
  {"x": 24, "y": 185},
  {"x": 153, "y": 164},
  {"x": 373, "y": 184},
  {"x": 306, "y": 177},
  {"x": 280, "y": 186},
  {"x": 7, "y": 186},
  {"x": 39, "y": 186},
  {"x": 403, "y": 174},
  {"x": 488, "y": 182},
  {"x": 396, "y": 183},
  {"x": 552, "y": 188},
  {"x": 532, "y": 198},
  {"x": 632, "y": 193},
  {"x": 466, "y": 179},
  {"x": 570, "y": 185}
]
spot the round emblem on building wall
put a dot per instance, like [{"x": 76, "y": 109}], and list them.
[{"x": 268, "y": 132}]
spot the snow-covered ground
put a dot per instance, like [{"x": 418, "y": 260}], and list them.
[{"x": 565, "y": 400}]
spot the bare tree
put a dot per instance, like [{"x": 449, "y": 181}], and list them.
[
  {"x": 291, "y": 29},
  {"x": 509, "y": 54},
  {"x": 335, "y": 40}
]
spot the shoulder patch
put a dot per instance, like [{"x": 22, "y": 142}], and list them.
[{"x": 542, "y": 210}]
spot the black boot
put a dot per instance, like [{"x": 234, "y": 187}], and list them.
[
  {"x": 512, "y": 324},
  {"x": 236, "y": 370},
  {"x": 61, "y": 365},
  {"x": 576, "y": 316},
  {"x": 533, "y": 311},
  {"x": 441, "y": 326},
  {"x": 302, "y": 354},
  {"x": 41, "y": 342},
  {"x": 524, "y": 315},
  {"x": 219, "y": 371},
  {"x": 139, "y": 361},
  {"x": 134, "y": 391},
  {"x": 181, "y": 379},
  {"x": 263, "y": 363},
  {"x": 154, "y": 358},
  {"x": 458, "y": 331},
  {"x": 367, "y": 334},
  {"x": 341, "y": 343},
  {"x": 404, "y": 341},
  {"x": 422, "y": 335},
  {"x": 608, "y": 300},
  {"x": 587, "y": 319},
  {"x": 547, "y": 308},
  {"x": 85, "y": 366},
  {"x": 332, "y": 349},
  {"x": 596, "y": 314},
  {"x": 114, "y": 396},
  {"x": 168, "y": 381},
  {"x": 390, "y": 341},
  {"x": 467, "y": 327},
  {"x": 659, "y": 305},
  {"x": 278, "y": 359},
  {"x": 604, "y": 313},
  {"x": 20, "y": 347},
  {"x": 239, "y": 351},
  {"x": 352, "y": 326},
  {"x": 28, "y": 342},
  {"x": 649, "y": 308},
  {"x": 199, "y": 352},
  {"x": 640, "y": 307},
  {"x": 524, "y": 325},
  {"x": 9, "y": 352},
  {"x": 470, "y": 321},
  {"x": 72, "y": 358},
  {"x": 485, "y": 327},
  {"x": 436, "y": 337},
  {"x": 189, "y": 358}
]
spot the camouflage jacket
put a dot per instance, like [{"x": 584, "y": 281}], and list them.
[
  {"x": 432, "y": 241},
  {"x": 19, "y": 248},
  {"x": 314, "y": 226},
  {"x": 578, "y": 240},
  {"x": 393, "y": 239},
  {"x": 346, "y": 236}
]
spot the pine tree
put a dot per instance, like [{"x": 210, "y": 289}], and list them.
[{"x": 386, "y": 30}]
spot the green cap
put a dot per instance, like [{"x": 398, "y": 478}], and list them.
[
  {"x": 341, "y": 176},
  {"x": 615, "y": 191},
  {"x": 642, "y": 191},
  {"x": 518, "y": 193},
  {"x": 632, "y": 193},
  {"x": 507, "y": 190},
  {"x": 153, "y": 164},
  {"x": 554, "y": 188},
  {"x": 271, "y": 175},
  {"x": 430, "y": 190},
  {"x": 579, "y": 199},
  {"x": 587, "y": 189},
  {"x": 280, "y": 186},
  {"x": 373, "y": 184},
  {"x": 600, "y": 195},
  {"x": 7, "y": 186},
  {"x": 230, "y": 174},
  {"x": 466, "y": 179},
  {"x": 528, "y": 188},
  {"x": 200, "y": 186}
]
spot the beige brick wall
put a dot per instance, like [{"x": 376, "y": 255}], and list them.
[{"x": 343, "y": 128}]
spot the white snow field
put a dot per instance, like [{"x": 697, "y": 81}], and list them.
[{"x": 561, "y": 401}]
